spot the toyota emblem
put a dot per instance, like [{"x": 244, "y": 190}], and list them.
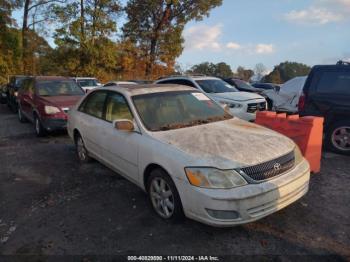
[{"x": 277, "y": 166}]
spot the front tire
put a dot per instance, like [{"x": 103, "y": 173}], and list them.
[
  {"x": 81, "y": 150},
  {"x": 338, "y": 137},
  {"x": 164, "y": 196},
  {"x": 39, "y": 129}
]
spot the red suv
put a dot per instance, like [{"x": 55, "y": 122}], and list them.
[{"x": 46, "y": 100}]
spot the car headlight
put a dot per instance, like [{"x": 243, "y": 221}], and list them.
[
  {"x": 230, "y": 104},
  {"x": 214, "y": 178},
  {"x": 51, "y": 110},
  {"x": 298, "y": 155}
]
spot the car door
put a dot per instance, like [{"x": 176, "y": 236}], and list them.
[
  {"x": 120, "y": 147},
  {"x": 90, "y": 121},
  {"x": 27, "y": 96}
]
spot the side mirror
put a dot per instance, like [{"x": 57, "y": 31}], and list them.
[
  {"x": 277, "y": 88},
  {"x": 124, "y": 125}
]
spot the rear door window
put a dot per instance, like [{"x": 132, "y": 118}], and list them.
[
  {"x": 117, "y": 108},
  {"x": 336, "y": 82},
  {"x": 94, "y": 104}
]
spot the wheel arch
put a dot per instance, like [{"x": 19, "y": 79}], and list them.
[
  {"x": 147, "y": 172},
  {"x": 76, "y": 133}
]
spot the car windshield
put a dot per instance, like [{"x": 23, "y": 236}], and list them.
[
  {"x": 173, "y": 110},
  {"x": 87, "y": 82},
  {"x": 215, "y": 86},
  {"x": 243, "y": 84},
  {"x": 59, "y": 88}
]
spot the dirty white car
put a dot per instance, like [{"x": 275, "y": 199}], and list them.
[
  {"x": 87, "y": 83},
  {"x": 241, "y": 104},
  {"x": 188, "y": 154},
  {"x": 287, "y": 97}
]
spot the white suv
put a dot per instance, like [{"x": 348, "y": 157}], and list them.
[{"x": 241, "y": 104}]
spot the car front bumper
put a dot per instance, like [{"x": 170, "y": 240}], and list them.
[
  {"x": 54, "y": 124},
  {"x": 251, "y": 202}
]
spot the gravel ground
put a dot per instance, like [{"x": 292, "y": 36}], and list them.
[{"x": 50, "y": 205}]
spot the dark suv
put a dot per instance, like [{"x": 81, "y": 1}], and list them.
[
  {"x": 12, "y": 87},
  {"x": 327, "y": 93},
  {"x": 46, "y": 100}
]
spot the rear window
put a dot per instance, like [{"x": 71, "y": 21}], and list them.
[{"x": 334, "y": 83}]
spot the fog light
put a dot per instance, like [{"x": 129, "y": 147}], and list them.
[{"x": 223, "y": 214}]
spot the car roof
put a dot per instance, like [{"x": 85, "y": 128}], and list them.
[
  {"x": 46, "y": 78},
  {"x": 132, "y": 90},
  {"x": 194, "y": 77},
  {"x": 81, "y": 77},
  {"x": 122, "y": 82},
  {"x": 326, "y": 67}
]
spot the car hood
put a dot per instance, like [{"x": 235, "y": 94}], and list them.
[
  {"x": 237, "y": 96},
  {"x": 62, "y": 101},
  {"x": 228, "y": 144}
]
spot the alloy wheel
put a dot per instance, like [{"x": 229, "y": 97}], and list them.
[
  {"x": 19, "y": 114},
  {"x": 341, "y": 138},
  {"x": 82, "y": 153},
  {"x": 162, "y": 197},
  {"x": 37, "y": 126}
]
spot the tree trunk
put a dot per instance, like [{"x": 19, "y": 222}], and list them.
[
  {"x": 82, "y": 37},
  {"x": 24, "y": 37},
  {"x": 82, "y": 22},
  {"x": 152, "y": 58}
]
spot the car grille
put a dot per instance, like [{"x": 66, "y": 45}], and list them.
[
  {"x": 253, "y": 107},
  {"x": 271, "y": 168}
]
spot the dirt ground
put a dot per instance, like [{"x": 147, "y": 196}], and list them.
[{"x": 51, "y": 205}]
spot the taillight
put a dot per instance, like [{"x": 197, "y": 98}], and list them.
[{"x": 301, "y": 104}]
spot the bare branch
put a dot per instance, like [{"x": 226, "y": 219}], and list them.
[{"x": 46, "y": 2}]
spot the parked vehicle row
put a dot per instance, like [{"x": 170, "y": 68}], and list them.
[{"x": 181, "y": 142}]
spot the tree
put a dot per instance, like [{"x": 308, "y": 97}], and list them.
[
  {"x": 9, "y": 40},
  {"x": 34, "y": 13},
  {"x": 259, "y": 71},
  {"x": 287, "y": 70},
  {"x": 223, "y": 70},
  {"x": 83, "y": 39},
  {"x": 219, "y": 70},
  {"x": 204, "y": 68},
  {"x": 6, "y": 8},
  {"x": 156, "y": 26},
  {"x": 244, "y": 74}
]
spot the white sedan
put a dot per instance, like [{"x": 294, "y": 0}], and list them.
[{"x": 190, "y": 156}]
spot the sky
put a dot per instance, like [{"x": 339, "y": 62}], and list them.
[{"x": 247, "y": 32}]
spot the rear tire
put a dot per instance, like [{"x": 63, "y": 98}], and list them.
[
  {"x": 39, "y": 129},
  {"x": 20, "y": 115},
  {"x": 81, "y": 150},
  {"x": 338, "y": 137},
  {"x": 163, "y": 196}
]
